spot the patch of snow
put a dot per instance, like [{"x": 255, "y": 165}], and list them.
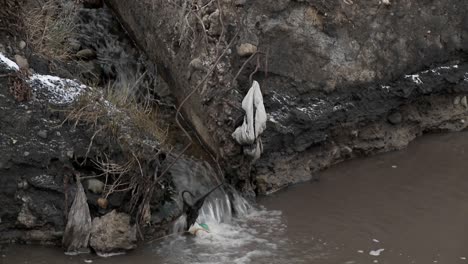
[
  {"x": 437, "y": 70},
  {"x": 376, "y": 252},
  {"x": 415, "y": 78},
  {"x": 385, "y": 87},
  {"x": 375, "y": 240},
  {"x": 360, "y": 251},
  {"x": 9, "y": 63},
  {"x": 282, "y": 98},
  {"x": 56, "y": 90}
]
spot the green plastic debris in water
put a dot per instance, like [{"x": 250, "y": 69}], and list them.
[{"x": 205, "y": 226}]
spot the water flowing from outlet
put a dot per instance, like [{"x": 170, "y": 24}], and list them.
[{"x": 238, "y": 231}]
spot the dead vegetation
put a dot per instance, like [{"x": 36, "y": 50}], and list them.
[
  {"x": 48, "y": 26},
  {"x": 130, "y": 141},
  {"x": 19, "y": 87}
]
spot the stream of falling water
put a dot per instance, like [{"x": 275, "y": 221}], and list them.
[{"x": 234, "y": 224}]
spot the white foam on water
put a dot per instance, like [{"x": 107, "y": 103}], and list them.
[
  {"x": 376, "y": 252},
  {"x": 238, "y": 232},
  {"x": 239, "y": 238}
]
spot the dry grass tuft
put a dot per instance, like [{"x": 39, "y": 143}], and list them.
[
  {"x": 48, "y": 27},
  {"x": 118, "y": 118}
]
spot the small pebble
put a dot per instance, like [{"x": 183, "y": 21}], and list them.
[
  {"x": 26, "y": 154},
  {"x": 88, "y": 261},
  {"x": 21, "y": 61},
  {"x": 58, "y": 133},
  {"x": 42, "y": 134},
  {"x": 394, "y": 166},
  {"x": 86, "y": 54},
  {"x": 22, "y": 44}
]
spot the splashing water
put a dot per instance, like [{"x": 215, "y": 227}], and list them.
[{"x": 237, "y": 230}]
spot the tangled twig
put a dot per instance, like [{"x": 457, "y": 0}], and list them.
[{"x": 208, "y": 74}]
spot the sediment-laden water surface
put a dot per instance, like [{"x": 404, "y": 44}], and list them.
[{"x": 409, "y": 206}]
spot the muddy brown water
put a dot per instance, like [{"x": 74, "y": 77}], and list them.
[{"x": 409, "y": 206}]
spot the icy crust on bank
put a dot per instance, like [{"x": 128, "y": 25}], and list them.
[
  {"x": 55, "y": 90},
  {"x": 9, "y": 64},
  {"x": 416, "y": 78},
  {"x": 318, "y": 108}
]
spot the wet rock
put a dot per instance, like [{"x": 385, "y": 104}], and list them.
[
  {"x": 93, "y": 3},
  {"x": 42, "y": 134},
  {"x": 39, "y": 64},
  {"x": 46, "y": 182},
  {"x": 26, "y": 217},
  {"x": 112, "y": 233},
  {"x": 21, "y": 61},
  {"x": 394, "y": 118},
  {"x": 86, "y": 54},
  {"x": 95, "y": 186},
  {"x": 346, "y": 151},
  {"x": 246, "y": 49}
]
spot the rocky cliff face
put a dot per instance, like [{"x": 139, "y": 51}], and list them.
[
  {"x": 55, "y": 130},
  {"x": 339, "y": 78}
]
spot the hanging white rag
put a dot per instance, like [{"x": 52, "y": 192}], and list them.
[{"x": 254, "y": 120}]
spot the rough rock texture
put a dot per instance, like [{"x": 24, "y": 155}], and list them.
[
  {"x": 78, "y": 229},
  {"x": 41, "y": 153},
  {"x": 33, "y": 169},
  {"x": 112, "y": 233},
  {"x": 331, "y": 72}
]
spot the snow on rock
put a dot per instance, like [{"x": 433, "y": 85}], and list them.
[
  {"x": 415, "y": 78},
  {"x": 56, "y": 90},
  {"x": 9, "y": 64}
]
